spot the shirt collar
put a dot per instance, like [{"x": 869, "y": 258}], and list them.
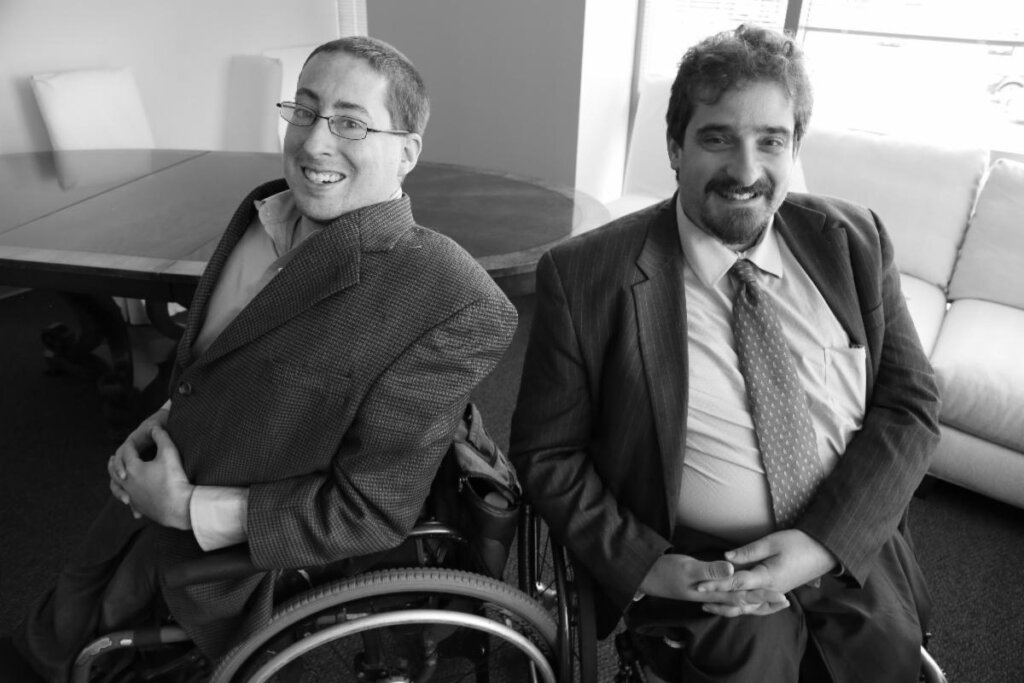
[
  {"x": 711, "y": 260},
  {"x": 280, "y": 218}
]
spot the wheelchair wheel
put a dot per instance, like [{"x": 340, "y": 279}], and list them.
[
  {"x": 400, "y": 625},
  {"x": 548, "y": 574}
]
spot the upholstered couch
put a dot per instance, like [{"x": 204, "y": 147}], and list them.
[{"x": 956, "y": 219}]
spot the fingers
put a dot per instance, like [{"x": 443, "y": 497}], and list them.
[
  {"x": 160, "y": 436},
  {"x": 115, "y": 467},
  {"x": 758, "y": 603},
  {"x": 715, "y": 571},
  {"x": 118, "y": 492},
  {"x": 756, "y": 551},
  {"x": 755, "y": 577},
  {"x": 164, "y": 445}
]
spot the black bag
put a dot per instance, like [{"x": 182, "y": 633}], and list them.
[{"x": 477, "y": 492}]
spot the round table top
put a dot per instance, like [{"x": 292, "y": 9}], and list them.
[{"x": 155, "y": 212}]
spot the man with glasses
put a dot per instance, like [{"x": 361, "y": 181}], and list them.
[
  {"x": 725, "y": 408},
  {"x": 330, "y": 350}
]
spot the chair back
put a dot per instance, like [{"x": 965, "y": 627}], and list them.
[
  {"x": 92, "y": 109},
  {"x": 288, "y": 62}
]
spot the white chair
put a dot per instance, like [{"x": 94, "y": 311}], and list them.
[
  {"x": 285, "y": 64},
  {"x": 93, "y": 109},
  {"x": 255, "y": 84}
]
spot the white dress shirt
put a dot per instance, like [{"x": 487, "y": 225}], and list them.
[{"x": 724, "y": 488}]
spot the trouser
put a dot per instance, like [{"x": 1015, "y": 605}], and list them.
[
  {"x": 109, "y": 583},
  {"x": 836, "y": 632}
]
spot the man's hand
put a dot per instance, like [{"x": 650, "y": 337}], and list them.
[
  {"x": 139, "y": 442},
  {"x": 157, "y": 489},
  {"x": 780, "y": 561},
  {"x": 680, "y": 577}
]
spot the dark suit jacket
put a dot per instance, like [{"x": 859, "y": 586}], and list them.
[
  {"x": 333, "y": 396},
  {"x": 600, "y": 428}
]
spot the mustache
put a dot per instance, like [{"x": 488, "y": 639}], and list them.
[{"x": 762, "y": 186}]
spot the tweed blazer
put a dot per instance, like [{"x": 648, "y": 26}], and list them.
[
  {"x": 599, "y": 433},
  {"x": 333, "y": 396}
]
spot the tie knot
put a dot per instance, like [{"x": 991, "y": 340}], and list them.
[{"x": 743, "y": 272}]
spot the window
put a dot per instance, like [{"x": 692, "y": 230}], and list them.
[{"x": 917, "y": 68}]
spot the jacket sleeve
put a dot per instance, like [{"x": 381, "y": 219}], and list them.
[
  {"x": 374, "y": 490},
  {"x": 860, "y": 505},
  {"x": 551, "y": 433}
]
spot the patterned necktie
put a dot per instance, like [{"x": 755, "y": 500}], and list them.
[{"x": 778, "y": 403}]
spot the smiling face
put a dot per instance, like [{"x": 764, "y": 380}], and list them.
[
  {"x": 330, "y": 176},
  {"x": 735, "y": 162}
]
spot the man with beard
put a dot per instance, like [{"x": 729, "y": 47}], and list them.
[
  {"x": 330, "y": 350},
  {"x": 725, "y": 407}
]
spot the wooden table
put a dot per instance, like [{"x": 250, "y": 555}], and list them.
[{"x": 142, "y": 223}]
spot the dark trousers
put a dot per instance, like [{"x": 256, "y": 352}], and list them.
[
  {"x": 109, "y": 583},
  {"x": 837, "y": 632}
]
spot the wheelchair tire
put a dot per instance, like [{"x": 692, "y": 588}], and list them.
[
  {"x": 408, "y": 595},
  {"x": 548, "y": 574}
]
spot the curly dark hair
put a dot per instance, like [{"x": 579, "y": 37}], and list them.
[
  {"x": 407, "y": 103},
  {"x": 732, "y": 59}
]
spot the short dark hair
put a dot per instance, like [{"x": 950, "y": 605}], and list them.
[
  {"x": 733, "y": 59},
  {"x": 407, "y": 102}
]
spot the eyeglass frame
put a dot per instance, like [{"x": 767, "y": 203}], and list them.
[{"x": 366, "y": 129}]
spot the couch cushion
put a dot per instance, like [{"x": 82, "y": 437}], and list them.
[
  {"x": 991, "y": 264},
  {"x": 923, "y": 193},
  {"x": 927, "y": 304},
  {"x": 978, "y": 363}
]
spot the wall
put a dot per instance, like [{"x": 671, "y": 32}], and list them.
[
  {"x": 183, "y": 54},
  {"x": 504, "y": 79}
]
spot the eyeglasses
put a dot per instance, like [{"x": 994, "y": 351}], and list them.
[{"x": 340, "y": 126}]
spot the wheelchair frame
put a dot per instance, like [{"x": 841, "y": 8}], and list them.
[
  {"x": 368, "y": 606},
  {"x": 548, "y": 573}
]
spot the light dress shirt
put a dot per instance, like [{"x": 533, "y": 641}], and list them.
[
  {"x": 724, "y": 489},
  {"x": 218, "y": 513}
]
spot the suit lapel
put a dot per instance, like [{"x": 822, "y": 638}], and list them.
[
  {"x": 326, "y": 263},
  {"x": 661, "y": 319},
  {"x": 244, "y": 215},
  {"x": 823, "y": 252}
]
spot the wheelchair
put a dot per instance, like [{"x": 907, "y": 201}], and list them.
[
  {"x": 433, "y": 609},
  {"x": 548, "y": 573},
  {"x": 430, "y": 622}
]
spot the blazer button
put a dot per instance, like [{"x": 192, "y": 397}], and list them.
[{"x": 184, "y": 388}]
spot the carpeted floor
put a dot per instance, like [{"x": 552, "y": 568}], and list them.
[{"x": 54, "y": 443}]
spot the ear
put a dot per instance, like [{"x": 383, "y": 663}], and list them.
[
  {"x": 412, "y": 145},
  {"x": 675, "y": 153}
]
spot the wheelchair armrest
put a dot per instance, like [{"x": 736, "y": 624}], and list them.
[
  {"x": 231, "y": 563},
  {"x": 234, "y": 562}
]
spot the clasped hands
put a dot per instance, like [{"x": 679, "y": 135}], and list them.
[
  {"x": 157, "y": 489},
  {"x": 752, "y": 579}
]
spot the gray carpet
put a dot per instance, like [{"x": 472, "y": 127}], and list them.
[{"x": 54, "y": 443}]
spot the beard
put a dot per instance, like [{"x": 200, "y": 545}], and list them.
[{"x": 741, "y": 226}]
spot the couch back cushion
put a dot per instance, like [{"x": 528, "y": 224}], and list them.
[
  {"x": 991, "y": 264},
  {"x": 922, "y": 192}
]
